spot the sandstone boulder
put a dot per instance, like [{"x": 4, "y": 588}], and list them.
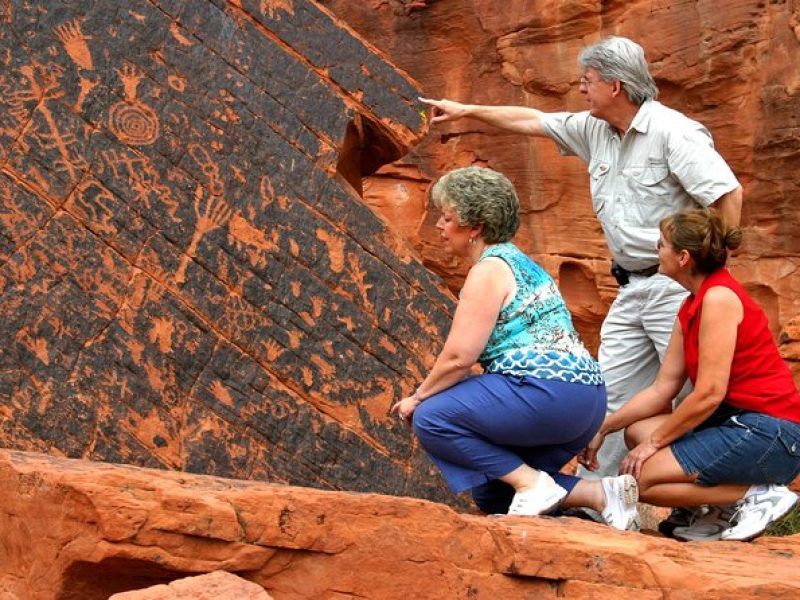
[
  {"x": 218, "y": 585},
  {"x": 75, "y": 529}
]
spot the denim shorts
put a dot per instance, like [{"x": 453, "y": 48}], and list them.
[{"x": 747, "y": 448}]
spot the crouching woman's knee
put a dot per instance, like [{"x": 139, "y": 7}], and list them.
[
  {"x": 637, "y": 432},
  {"x": 426, "y": 421}
]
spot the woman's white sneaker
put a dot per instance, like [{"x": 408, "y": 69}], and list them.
[
  {"x": 756, "y": 512},
  {"x": 708, "y": 525},
  {"x": 622, "y": 494},
  {"x": 543, "y": 497}
]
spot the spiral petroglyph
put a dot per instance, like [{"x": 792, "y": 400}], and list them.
[
  {"x": 133, "y": 123},
  {"x": 131, "y": 120}
]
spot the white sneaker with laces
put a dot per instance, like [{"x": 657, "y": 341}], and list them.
[
  {"x": 622, "y": 494},
  {"x": 707, "y": 525},
  {"x": 543, "y": 497},
  {"x": 755, "y": 513}
]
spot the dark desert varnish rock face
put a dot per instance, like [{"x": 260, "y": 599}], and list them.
[{"x": 188, "y": 276}]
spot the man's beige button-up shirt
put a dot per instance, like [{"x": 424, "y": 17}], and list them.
[{"x": 664, "y": 163}]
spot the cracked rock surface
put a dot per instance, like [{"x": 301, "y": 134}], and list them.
[{"x": 189, "y": 278}]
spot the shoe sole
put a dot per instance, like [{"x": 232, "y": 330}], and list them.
[
  {"x": 543, "y": 511},
  {"x": 772, "y": 522},
  {"x": 630, "y": 497},
  {"x": 630, "y": 491},
  {"x": 705, "y": 538},
  {"x": 630, "y": 494}
]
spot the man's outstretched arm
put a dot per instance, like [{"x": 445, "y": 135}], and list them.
[{"x": 515, "y": 119}]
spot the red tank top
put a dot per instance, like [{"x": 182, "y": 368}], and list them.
[{"x": 760, "y": 381}]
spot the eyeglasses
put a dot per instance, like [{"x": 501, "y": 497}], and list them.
[
  {"x": 586, "y": 82},
  {"x": 661, "y": 244}
]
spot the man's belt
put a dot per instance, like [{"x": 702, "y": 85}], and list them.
[
  {"x": 622, "y": 275},
  {"x": 646, "y": 272}
]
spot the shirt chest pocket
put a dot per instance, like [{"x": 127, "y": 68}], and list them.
[
  {"x": 647, "y": 193},
  {"x": 647, "y": 179},
  {"x": 600, "y": 184}
]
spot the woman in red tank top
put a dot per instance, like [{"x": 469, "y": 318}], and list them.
[{"x": 733, "y": 443}]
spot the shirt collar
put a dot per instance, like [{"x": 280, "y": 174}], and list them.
[{"x": 641, "y": 122}]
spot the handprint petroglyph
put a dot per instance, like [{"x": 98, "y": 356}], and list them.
[{"x": 75, "y": 44}]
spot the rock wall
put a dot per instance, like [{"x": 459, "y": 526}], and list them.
[
  {"x": 731, "y": 64},
  {"x": 103, "y": 529},
  {"x": 188, "y": 276}
]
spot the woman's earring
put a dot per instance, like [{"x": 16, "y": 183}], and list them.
[{"x": 472, "y": 241}]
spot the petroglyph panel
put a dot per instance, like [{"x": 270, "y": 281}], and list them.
[{"x": 188, "y": 277}]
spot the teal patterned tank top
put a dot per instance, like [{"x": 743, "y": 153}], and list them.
[{"x": 534, "y": 335}]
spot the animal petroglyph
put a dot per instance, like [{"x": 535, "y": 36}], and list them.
[
  {"x": 94, "y": 203},
  {"x": 75, "y": 44},
  {"x": 131, "y": 120}
]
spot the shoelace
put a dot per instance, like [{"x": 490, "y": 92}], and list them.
[
  {"x": 723, "y": 514},
  {"x": 734, "y": 520}
]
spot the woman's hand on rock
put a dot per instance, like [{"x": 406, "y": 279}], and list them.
[{"x": 405, "y": 408}]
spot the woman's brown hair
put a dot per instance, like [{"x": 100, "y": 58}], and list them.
[{"x": 703, "y": 235}]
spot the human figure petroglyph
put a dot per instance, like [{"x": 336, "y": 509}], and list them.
[
  {"x": 45, "y": 89},
  {"x": 358, "y": 275},
  {"x": 75, "y": 44},
  {"x": 143, "y": 177},
  {"x": 130, "y": 119}
]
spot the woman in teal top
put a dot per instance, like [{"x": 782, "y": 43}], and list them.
[{"x": 505, "y": 434}]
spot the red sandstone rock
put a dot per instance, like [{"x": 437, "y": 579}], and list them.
[
  {"x": 732, "y": 64},
  {"x": 101, "y": 529},
  {"x": 218, "y": 585},
  {"x": 188, "y": 277}
]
